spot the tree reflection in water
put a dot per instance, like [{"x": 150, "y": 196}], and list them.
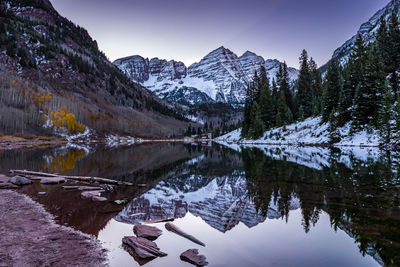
[{"x": 362, "y": 200}]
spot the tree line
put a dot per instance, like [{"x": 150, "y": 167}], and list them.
[{"x": 363, "y": 92}]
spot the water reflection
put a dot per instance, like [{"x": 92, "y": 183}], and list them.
[{"x": 352, "y": 191}]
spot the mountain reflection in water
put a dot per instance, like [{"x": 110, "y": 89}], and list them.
[{"x": 357, "y": 189}]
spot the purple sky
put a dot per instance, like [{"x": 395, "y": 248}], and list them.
[{"x": 186, "y": 30}]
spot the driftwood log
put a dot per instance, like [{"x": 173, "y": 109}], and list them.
[
  {"x": 39, "y": 175},
  {"x": 171, "y": 227}
]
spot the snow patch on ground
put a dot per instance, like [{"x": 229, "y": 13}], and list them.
[{"x": 307, "y": 132}]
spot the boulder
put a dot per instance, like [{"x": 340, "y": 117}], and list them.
[
  {"x": 142, "y": 248},
  {"x": 7, "y": 186},
  {"x": 52, "y": 180},
  {"x": 19, "y": 180},
  {"x": 192, "y": 256},
  {"x": 147, "y": 231}
]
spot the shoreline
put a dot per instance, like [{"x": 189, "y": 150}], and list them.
[{"x": 30, "y": 237}]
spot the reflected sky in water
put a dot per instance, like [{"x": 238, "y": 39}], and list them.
[{"x": 260, "y": 206}]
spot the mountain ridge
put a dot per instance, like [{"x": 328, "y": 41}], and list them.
[{"x": 221, "y": 74}]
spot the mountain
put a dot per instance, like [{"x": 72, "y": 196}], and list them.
[
  {"x": 222, "y": 202},
  {"x": 221, "y": 75},
  {"x": 47, "y": 63},
  {"x": 368, "y": 31}
]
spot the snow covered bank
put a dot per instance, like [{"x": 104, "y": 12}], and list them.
[{"x": 307, "y": 132}]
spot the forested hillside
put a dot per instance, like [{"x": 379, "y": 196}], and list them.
[
  {"x": 52, "y": 74},
  {"x": 363, "y": 93}
]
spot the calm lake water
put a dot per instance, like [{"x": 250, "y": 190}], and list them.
[{"x": 254, "y": 206}]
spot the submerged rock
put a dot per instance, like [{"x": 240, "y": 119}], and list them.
[
  {"x": 19, "y": 180},
  {"x": 192, "y": 256},
  {"x": 146, "y": 231},
  {"x": 143, "y": 248},
  {"x": 52, "y": 180}
]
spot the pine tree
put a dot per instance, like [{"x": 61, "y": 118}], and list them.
[
  {"x": 304, "y": 87},
  {"x": 387, "y": 122},
  {"x": 265, "y": 100},
  {"x": 257, "y": 126},
  {"x": 282, "y": 110},
  {"x": 316, "y": 87},
  {"x": 331, "y": 90},
  {"x": 394, "y": 52},
  {"x": 353, "y": 75},
  {"x": 370, "y": 91},
  {"x": 275, "y": 98},
  {"x": 301, "y": 113},
  {"x": 334, "y": 133},
  {"x": 283, "y": 84}
]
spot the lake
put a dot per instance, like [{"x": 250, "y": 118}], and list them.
[{"x": 251, "y": 206}]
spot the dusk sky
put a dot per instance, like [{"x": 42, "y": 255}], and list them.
[{"x": 186, "y": 30}]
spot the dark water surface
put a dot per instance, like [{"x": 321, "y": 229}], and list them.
[{"x": 260, "y": 206}]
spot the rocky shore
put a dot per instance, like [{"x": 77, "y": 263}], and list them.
[{"x": 30, "y": 237}]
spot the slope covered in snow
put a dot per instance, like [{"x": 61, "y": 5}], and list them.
[
  {"x": 221, "y": 75},
  {"x": 307, "y": 132}
]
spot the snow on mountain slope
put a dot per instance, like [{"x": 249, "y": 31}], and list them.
[
  {"x": 221, "y": 75},
  {"x": 368, "y": 31},
  {"x": 307, "y": 132},
  {"x": 222, "y": 202}
]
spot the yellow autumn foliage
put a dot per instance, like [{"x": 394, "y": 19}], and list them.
[
  {"x": 63, "y": 118},
  {"x": 41, "y": 100}
]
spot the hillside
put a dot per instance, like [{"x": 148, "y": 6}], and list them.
[
  {"x": 47, "y": 62},
  {"x": 368, "y": 31},
  {"x": 309, "y": 132},
  {"x": 221, "y": 76}
]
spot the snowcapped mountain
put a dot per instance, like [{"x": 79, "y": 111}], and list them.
[
  {"x": 222, "y": 202},
  {"x": 368, "y": 31},
  {"x": 221, "y": 76}
]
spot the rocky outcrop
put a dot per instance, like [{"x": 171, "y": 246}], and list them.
[
  {"x": 220, "y": 76},
  {"x": 368, "y": 31}
]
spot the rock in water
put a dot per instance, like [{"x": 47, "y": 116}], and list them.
[
  {"x": 171, "y": 227},
  {"x": 143, "y": 248},
  {"x": 192, "y": 256},
  {"x": 146, "y": 231},
  {"x": 94, "y": 195},
  {"x": 52, "y": 180},
  {"x": 19, "y": 180}
]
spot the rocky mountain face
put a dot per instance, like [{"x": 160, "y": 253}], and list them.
[
  {"x": 368, "y": 31},
  {"x": 221, "y": 75},
  {"x": 42, "y": 52},
  {"x": 222, "y": 202}
]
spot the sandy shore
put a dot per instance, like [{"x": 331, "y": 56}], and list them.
[{"x": 29, "y": 237}]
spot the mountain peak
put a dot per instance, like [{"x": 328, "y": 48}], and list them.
[{"x": 249, "y": 54}]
